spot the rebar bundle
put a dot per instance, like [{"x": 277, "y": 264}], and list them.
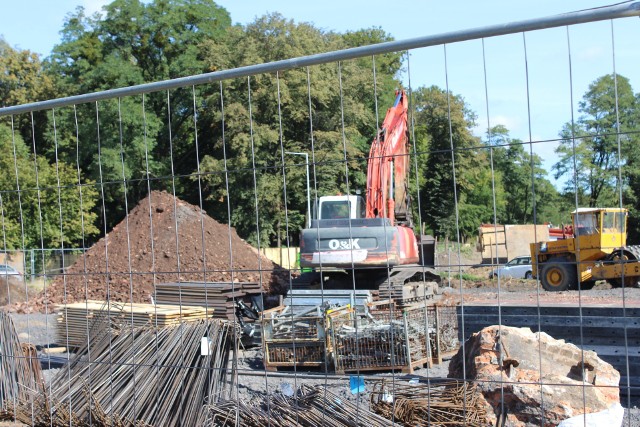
[
  {"x": 311, "y": 406},
  {"x": 147, "y": 376},
  {"x": 43, "y": 413},
  {"x": 20, "y": 373},
  {"x": 450, "y": 403}
]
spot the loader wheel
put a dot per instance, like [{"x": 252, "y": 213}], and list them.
[{"x": 558, "y": 275}]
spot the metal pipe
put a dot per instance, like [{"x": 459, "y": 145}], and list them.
[{"x": 589, "y": 15}]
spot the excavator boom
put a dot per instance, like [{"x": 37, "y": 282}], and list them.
[{"x": 388, "y": 166}]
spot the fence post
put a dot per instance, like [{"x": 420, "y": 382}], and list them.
[
  {"x": 438, "y": 357},
  {"x": 33, "y": 263},
  {"x": 408, "y": 360},
  {"x": 427, "y": 338}
]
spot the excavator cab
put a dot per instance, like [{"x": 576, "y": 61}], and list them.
[{"x": 340, "y": 207}]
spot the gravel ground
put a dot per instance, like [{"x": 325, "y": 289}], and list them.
[{"x": 39, "y": 329}]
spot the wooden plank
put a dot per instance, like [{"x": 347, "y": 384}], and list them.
[{"x": 77, "y": 319}]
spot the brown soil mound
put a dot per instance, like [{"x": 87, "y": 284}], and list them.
[
  {"x": 12, "y": 290},
  {"x": 165, "y": 240}
]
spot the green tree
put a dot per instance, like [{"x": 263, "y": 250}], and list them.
[
  {"x": 134, "y": 43},
  {"x": 23, "y": 80},
  {"x": 591, "y": 143},
  {"x": 338, "y": 165},
  {"x": 43, "y": 205},
  {"x": 442, "y": 120},
  {"x": 632, "y": 193},
  {"x": 520, "y": 177}
]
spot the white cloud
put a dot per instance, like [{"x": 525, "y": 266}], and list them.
[
  {"x": 93, "y": 6},
  {"x": 513, "y": 124}
]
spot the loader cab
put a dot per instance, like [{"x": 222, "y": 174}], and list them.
[
  {"x": 600, "y": 229},
  {"x": 340, "y": 207}
]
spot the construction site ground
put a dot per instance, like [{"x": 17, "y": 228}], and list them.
[
  {"x": 253, "y": 381},
  {"x": 168, "y": 240}
]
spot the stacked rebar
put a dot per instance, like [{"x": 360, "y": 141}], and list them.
[
  {"x": 446, "y": 320},
  {"x": 215, "y": 296},
  {"x": 311, "y": 406},
  {"x": 148, "y": 375},
  {"x": 450, "y": 403},
  {"x": 20, "y": 374},
  {"x": 43, "y": 413}
]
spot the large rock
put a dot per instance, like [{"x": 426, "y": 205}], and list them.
[{"x": 541, "y": 380}]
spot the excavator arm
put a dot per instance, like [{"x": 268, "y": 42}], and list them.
[{"x": 388, "y": 165}]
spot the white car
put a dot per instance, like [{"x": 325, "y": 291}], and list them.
[
  {"x": 518, "y": 268},
  {"x": 7, "y": 270}
]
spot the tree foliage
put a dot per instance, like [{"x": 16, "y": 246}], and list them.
[
  {"x": 43, "y": 205},
  {"x": 228, "y": 143},
  {"x": 527, "y": 195},
  {"x": 600, "y": 151},
  {"x": 23, "y": 80},
  {"x": 135, "y": 43},
  {"x": 444, "y": 139},
  {"x": 589, "y": 153},
  {"x": 327, "y": 111}
]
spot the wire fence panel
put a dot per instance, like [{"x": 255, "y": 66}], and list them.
[{"x": 435, "y": 231}]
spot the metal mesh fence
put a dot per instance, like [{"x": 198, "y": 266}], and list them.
[{"x": 139, "y": 220}]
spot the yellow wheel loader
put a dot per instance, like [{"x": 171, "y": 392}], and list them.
[{"x": 594, "y": 248}]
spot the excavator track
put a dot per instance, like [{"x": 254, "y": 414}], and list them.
[
  {"x": 409, "y": 284},
  {"x": 404, "y": 285}
]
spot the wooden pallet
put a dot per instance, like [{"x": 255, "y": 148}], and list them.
[{"x": 405, "y": 369}]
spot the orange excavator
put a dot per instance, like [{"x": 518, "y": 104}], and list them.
[{"x": 371, "y": 241}]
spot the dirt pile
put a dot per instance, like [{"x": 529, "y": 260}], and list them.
[
  {"x": 164, "y": 240},
  {"x": 12, "y": 290}
]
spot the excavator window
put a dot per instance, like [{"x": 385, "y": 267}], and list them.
[{"x": 335, "y": 210}]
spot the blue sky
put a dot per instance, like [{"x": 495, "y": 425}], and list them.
[{"x": 551, "y": 92}]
